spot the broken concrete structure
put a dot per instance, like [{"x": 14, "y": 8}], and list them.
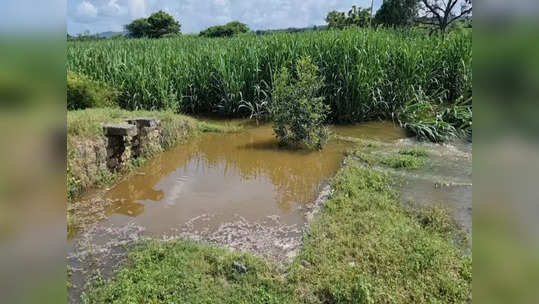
[
  {"x": 130, "y": 140},
  {"x": 149, "y": 134}
]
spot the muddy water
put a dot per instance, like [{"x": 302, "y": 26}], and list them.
[
  {"x": 242, "y": 174},
  {"x": 239, "y": 190}
]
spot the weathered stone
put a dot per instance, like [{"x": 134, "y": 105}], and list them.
[
  {"x": 119, "y": 130},
  {"x": 144, "y": 122},
  {"x": 239, "y": 266}
]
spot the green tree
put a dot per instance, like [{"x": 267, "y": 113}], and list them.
[
  {"x": 162, "y": 24},
  {"x": 356, "y": 16},
  {"x": 298, "y": 114},
  {"x": 159, "y": 24},
  {"x": 229, "y": 29},
  {"x": 397, "y": 12},
  {"x": 138, "y": 28},
  {"x": 336, "y": 19}
]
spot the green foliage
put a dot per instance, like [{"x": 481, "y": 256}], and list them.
[
  {"x": 414, "y": 151},
  {"x": 159, "y": 24},
  {"x": 187, "y": 272},
  {"x": 436, "y": 121},
  {"x": 369, "y": 74},
  {"x": 397, "y": 12},
  {"x": 406, "y": 159},
  {"x": 227, "y": 30},
  {"x": 138, "y": 28},
  {"x": 356, "y": 17},
  {"x": 403, "y": 161},
  {"x": 83, "y": 92},
  {"x": 298, "y": 114}
]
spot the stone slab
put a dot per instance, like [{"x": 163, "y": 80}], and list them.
[
  {"x": 144, "y": 122},
  {"x": 119, "y": 130}
]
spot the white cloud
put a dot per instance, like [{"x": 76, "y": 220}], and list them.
[
  {"x": 111, "y": 9},
  {"x": 196, "y": 15},
  {"x": 221, "y": 2},
  {"x": 137, "y": 8},
  {"x": 86, "y": 10}
]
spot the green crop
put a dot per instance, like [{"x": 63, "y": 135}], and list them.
[{"x": 369, "y": 74}]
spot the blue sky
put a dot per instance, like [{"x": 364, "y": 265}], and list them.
[{"x": 195, "y": 15}]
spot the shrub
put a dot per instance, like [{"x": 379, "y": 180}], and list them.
[
  {"x": 83, "y": 92},
  {"x": 229, "y": 29},
  {"x": 298, "y": 113}
]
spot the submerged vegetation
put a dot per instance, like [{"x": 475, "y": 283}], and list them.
[
  {"x": 424, "y": 82},
  {"x": 364, "y": 247}
]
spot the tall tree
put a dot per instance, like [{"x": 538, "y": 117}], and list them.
[
  {"x": 442, "y": 13},
  {"x": 138, "y": 28},
  {"x": 397, "y": 12},
  {"x": 157, "y": 25},
  {"x": 162, "y": 24}
]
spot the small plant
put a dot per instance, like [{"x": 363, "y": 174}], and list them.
[
  {"x": 298, "y": 114},
  {"x": 400, "y": 161},
  {"x": 414, "y": 151}
]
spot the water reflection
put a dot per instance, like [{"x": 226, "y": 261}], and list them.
[{"x": 244, "y": 174}]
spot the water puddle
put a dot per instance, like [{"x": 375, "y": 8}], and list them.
[{"x": 238, "y": 190}]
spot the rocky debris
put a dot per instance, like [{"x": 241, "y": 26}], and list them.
[
  {"x": 119, "y": 130},
  {"x": 267, "y": 238},
  {"x": 239, "y": 266}
]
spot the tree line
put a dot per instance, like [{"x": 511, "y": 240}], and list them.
[{"x": 437, "y": 14}]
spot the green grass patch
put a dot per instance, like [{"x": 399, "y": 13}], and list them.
[
  {"x": 364, "y": 247},
  {"x": 399, "y": 161},
  {"x": 186, "y": 272},
  {"x": 416, "y": 151},
  {"x": 405, "y": 159}
]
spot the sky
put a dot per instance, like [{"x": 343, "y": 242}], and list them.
[{"x": 99, "y": 16}]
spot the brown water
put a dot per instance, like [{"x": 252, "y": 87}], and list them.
[{"x": 228, "y": 175}]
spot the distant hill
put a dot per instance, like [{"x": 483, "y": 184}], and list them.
[
  {"x": 293, "y": 30},
  {"x": 110, "y": 34}
]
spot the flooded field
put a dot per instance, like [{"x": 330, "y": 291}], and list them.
[
  {"x": 239, "y": 190},
  {"x": 227, "y": 176}
]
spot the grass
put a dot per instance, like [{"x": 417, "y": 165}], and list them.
[
  {"x": 186, "y": 272},
  {"x": 369, "y": 74},
  {"x": 406, "y": 158},
  {"x": 416, "y": 151},
  {"x": 86, "y": 148},
  {"x": 364, "y": 247},
  {"x": 403, "y": 161}
]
